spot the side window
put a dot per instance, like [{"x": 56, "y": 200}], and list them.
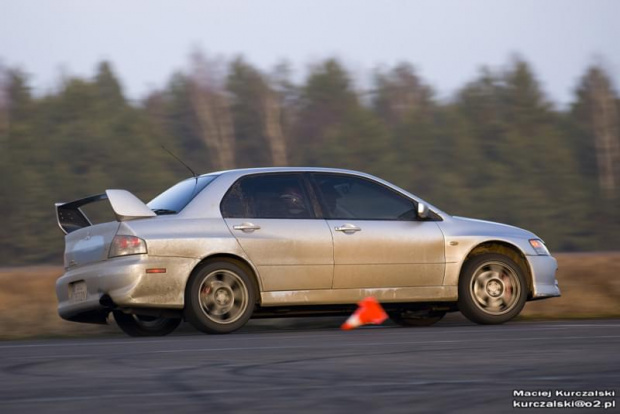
[
  {"x": 235, "y": 204},
  {"x": 347, "y": 197},
  {"x": 268, "y": 196}
]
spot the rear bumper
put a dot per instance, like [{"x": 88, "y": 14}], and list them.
[
  {"x": 545, "y": 285},
  {"x": 125, "y": 281}
]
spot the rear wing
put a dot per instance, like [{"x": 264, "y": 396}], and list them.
[{"x": 126, "y": 206}]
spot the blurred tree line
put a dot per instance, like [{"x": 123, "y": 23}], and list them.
[{"x": 498, "y": 150}]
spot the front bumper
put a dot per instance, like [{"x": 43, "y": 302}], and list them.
[
  {"x": 544, "y": 283},
  {"x": 123, "y": 282}
]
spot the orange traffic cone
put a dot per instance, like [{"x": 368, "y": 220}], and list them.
[{"x": 368, "y": 312}]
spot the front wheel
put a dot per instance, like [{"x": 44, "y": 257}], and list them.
[
  {"x": 138, "y": 325},
  {"x": 219, "y": 298},
  {"x": 492, "y": 289}
]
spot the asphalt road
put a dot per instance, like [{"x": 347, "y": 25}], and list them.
[{"x": 451, "y": 367}]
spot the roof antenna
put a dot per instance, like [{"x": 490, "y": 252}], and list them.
[{"x": 179, "y": 160}]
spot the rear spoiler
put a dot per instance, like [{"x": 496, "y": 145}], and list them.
[{"x": 126, "y": 206}]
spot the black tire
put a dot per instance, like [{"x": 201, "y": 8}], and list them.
[
  {"x": 416, "y": 318},
  {"x": 137, "y": 325},
  {"x": 492, "y": 289},
  {"x": 220, "y": 297}
]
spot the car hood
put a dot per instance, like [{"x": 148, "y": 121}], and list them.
[{"x": 483, "y": 227}]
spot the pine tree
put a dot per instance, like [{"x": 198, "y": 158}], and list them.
[
  {"x": 527, "y": 175},
  {"x": 334, "y": 129},
  {"x": 405, "y": 105},
  {"x": 258, "y": 117}
]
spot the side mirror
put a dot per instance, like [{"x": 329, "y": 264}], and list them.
[{"x": 422, "y": 210}]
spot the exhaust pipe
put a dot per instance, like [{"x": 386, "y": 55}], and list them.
[{"x": 106, "y": 302}]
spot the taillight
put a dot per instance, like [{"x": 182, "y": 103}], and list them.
[{"x": 126, "y": 245}]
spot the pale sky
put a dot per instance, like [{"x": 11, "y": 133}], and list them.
[{"x": 447, "y": 41}]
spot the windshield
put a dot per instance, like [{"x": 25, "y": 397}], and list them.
[{"x": 174, "y": 199}]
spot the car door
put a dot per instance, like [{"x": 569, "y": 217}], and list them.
[
  {"x": 274, "y": 221},
  {"x": 378, "y": 240}
]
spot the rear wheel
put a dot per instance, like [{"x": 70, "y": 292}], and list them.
[
  {"x": 492, "y": 289},
  {"x": 138, "y": 325},
  {"x": 416, "y": 318},
  {"x": 219, "y": 298}
]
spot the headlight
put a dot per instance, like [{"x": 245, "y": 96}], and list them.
[
  {"x": 539, "y": 247},
  {"x": 126, "y": 245}
]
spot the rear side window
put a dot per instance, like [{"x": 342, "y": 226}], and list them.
[
  {"x": 174, "y": 199},
  {"x": 348, "y": 197},
  {"x": 281, "y": 196}
]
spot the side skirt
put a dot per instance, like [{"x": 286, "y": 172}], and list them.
[{"x": 351, "y": 296}]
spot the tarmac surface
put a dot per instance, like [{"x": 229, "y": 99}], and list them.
[{"x": 450, "y": 367}]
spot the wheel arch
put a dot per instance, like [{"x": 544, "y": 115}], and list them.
[
  {"x": 504, "y": 248},
  {"x": 228, "y": 257}
]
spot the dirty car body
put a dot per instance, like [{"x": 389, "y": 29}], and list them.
[{"x": 223, "y": 247}]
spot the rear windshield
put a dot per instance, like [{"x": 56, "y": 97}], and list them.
[{"x": 174, "y": 199}]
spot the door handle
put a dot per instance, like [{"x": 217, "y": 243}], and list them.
[
  {"x": 347, "y": 228},
  {"x": 246, "y": 227}
]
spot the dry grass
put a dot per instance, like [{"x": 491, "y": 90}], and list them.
[{"x": 590, "y": 284}]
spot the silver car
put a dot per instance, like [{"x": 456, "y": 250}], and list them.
[{"x": 220, "y": 248}]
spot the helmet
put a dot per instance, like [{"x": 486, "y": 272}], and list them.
[{"x": 293, "y": 200}]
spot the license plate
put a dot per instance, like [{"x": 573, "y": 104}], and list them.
[{"x": 77, "y": 292}]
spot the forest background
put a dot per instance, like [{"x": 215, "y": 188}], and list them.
[{"x": 497, "y": 149}]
